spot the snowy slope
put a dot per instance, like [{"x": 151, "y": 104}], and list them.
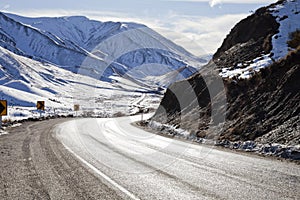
[
  {"x": 76, "y": 30},
  {"x": 24, "y": 81},
  {"x": 72, "y": 33},
  {"x": 287, "y": 15},
  {"x": 92, "y": 48},
  {"x": 33, "y": 43}
]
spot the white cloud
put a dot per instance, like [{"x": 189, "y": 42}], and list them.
[
  {"x": 213, "y": 3},
  {"x": 200, "y": 35}
]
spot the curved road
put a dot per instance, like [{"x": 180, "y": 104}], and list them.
[{"x": 111, "y": 159}]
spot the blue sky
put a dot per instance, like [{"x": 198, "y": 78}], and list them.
[{"x": 198, "y": 25}]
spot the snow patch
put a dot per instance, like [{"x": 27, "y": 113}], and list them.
[
  {"x": 2, "y": 132},
  {"x": 272, "y": 149},
  {"x": 173, "y": 131},
  {"x": 245, "y": 73},
  {"x": 288, "y": 16}
]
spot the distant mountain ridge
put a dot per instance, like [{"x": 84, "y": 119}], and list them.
[
  {"x": 74, "y": 42},
  {"x": 75, "y": 31}
]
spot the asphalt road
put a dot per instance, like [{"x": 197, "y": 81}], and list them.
[
  {"x": 110, "y": 159},
  {"x": 35, "y": 165}
]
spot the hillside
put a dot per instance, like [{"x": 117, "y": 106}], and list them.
[
  {"x": 93, "y": 48},
  {"x": 258, "y": 64}
]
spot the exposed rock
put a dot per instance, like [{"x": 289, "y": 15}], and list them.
[
  {"x": 265, "y": 107},
  {"x": 249, "y": 39}
]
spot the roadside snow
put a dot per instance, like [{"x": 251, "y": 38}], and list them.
[
  {"x": 3, "y": 132},
  {"x": 272, "y": 149},
  {"x": 173, "y": 131}
]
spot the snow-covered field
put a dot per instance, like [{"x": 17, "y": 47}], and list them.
[{"x": 24, "y": 81}]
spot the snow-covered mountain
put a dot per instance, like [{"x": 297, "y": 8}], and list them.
[
  {"x": 104, "y": 66},
  {"x": 93, "y": 48}
]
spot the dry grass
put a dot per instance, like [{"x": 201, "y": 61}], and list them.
[
  {"x": 118, "y": 114},
  {"x": 7, "y": 121},
  {"x": 294, "y": 41}
]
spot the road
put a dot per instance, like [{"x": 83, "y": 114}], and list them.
[{"x": 111, "y": 159}]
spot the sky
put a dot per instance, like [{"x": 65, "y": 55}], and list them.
[{"x": 199, "y": 26}]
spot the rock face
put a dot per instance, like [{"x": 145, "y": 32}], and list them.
[
  {"x": 264, "y": 107},
  {"x": 266, "y": 104},
  {"x": 249, "y": 39}
]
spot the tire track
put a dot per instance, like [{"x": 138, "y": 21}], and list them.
[
  {"x": 34, "y": 181},
  {"x": 37, "y": 166},
  {"x": 192, "y": 187}
]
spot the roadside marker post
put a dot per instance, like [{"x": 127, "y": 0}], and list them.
[
  {"x": 3, "y": 110},
  {"x": 40, "y": 105},
  {"x": 76, "y": 108},
  {"x": 143, "y": 110}
]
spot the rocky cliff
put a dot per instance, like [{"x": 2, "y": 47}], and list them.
[{"x": 259, "y": 97}]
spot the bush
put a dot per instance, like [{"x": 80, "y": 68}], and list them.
[
  {"x": 7, "y": 121},
  {"x": 294, "y": 41},
  {"x": 118, "y": 114}
]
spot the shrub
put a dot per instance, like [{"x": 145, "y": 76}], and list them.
[
  {"x": 7, "y": 122},
  {"x": 294, "y": 41},
  {"x": 118, "y": 114}
]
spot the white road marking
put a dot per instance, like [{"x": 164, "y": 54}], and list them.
[{"x": 107, "y": 178}]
